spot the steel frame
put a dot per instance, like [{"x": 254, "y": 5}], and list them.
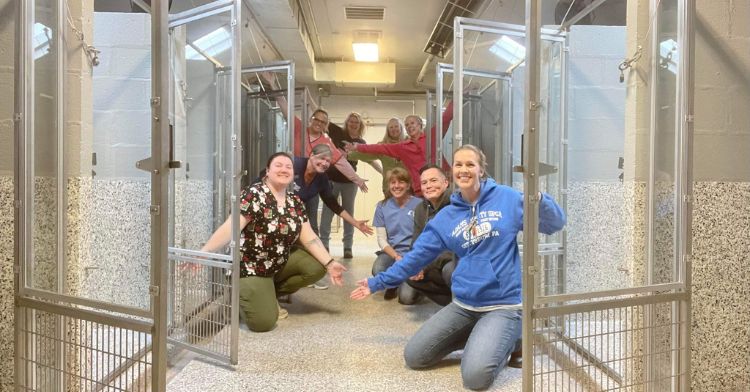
[{"x": 58, "y": 303}]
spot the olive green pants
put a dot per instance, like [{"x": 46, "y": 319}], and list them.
[{"x": 258, "y": 294}]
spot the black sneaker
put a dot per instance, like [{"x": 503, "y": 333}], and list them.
[
  {"x": 348, "y": 253},
  {"x": 390, "y": 294}
]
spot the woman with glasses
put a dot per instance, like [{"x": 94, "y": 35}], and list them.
[{"x": 480, "y": 226}]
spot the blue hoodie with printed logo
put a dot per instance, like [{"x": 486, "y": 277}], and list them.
[{"x": 483, "y": 236}]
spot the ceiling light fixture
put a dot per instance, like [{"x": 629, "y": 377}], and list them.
[{"x": 365, "y": 46}]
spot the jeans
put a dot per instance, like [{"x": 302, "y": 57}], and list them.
[
  {"x": 407, "y": 295},
  {"x": 348, "y": 192},
  {"x": 311, "y": 206},
  {"x": 258, "y": 304},
  {"x": 487, "y": 338}
]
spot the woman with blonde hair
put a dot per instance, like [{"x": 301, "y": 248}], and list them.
[
  {"x": 394, "y": 133},
  {"x": 480, "y": 226},
  {"x": 342, "y": 186}
]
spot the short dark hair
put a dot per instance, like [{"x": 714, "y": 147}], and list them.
[
  {"x": 432, "y": 166},
  {"x": 276, "y": 155}
]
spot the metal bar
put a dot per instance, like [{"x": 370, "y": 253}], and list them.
[
  {"x": 160, "y": 146},
  {"x": 563, "y": 267},
  {"x": 198, "y": 350},
  {"x": 448, "y": 68},
  {"x": 92, "y": 303},
  {"x": 687, "y": 103},
  {"x": 199, "y": 12},
  {"x": 589, "y": 356},
  {"x": 487, "y": 26},
  {"x": 531, "y": 183},
  {"x": 208, "y": 263},
  {"x": 610, "y": 293},
  {"x": 237, "y": 171},
  {"x": 60, "y": 210},
  {"x": 608, "y": 304},
  {"x": 179, "y": 251},
  {"x": 650, "y": 188},
  {"x": 20, "y": 116},
  {"x": 592, "y": 6},
  {"x": 85, "y": 314},
  {"x": 439, "y": 86},
  {"x": 290, "y": 112},
  {"x": 211, "y": 59},
  {"x": 123, "y": 367},
  {"x": 272, "y": 66},
  {"x": 142, "y": 5},
  {"x": 458, "y": 83}
]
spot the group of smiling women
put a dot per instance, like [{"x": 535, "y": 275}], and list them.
[{"x": 282, "y": 253}]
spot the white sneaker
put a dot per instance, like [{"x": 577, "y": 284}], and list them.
[
  {"x": 283, "y": 313},
  {"x": 318, "y": 285}
]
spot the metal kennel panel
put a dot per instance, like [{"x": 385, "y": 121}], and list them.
[
  {"x": 200, "y": 298},
  {"x": 68, "y": 349}
]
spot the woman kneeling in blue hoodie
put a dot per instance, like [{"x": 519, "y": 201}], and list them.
[{"x": 480, "y": 226}]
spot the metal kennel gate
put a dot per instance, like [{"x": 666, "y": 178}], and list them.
[{"x": 632, "y": 338}]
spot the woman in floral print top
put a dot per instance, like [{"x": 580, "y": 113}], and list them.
[
  {"x": 280, "y": 251},
  {"x": 270, "y": 231}
]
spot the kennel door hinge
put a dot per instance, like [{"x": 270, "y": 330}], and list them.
[
  {"x": 153, "y": 291},
  {"x": 533, "y": 270}
]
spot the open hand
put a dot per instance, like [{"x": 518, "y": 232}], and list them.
[
  {"x": 361, "y": 184},
  {"x": 418, "y": 276},
  {"x": 336, "y": 273},
  {"x": 362, "y": 291},
  {"x": 362, "y": 226}
]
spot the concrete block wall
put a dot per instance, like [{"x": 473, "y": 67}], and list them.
[
  {"x": 721, "y": 216},
  {"x": 121, "y": 94}
]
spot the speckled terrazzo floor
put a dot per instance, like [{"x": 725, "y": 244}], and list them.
[{"x": 330, "y": 343}]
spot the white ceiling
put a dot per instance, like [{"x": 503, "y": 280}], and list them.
[{"x": 406, "y": 28}]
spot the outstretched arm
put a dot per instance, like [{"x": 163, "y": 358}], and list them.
[
  {"x": 315, "y": 247},
  {"x": 361, "y": 225},
  {"x": 347, "y": 170},
  {"x": 221, "y": 237}
]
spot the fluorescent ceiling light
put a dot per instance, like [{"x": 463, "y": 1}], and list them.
[
  {"x": 210, "y": 44},
  {"x": 42, "y": 37},
  {"x": 365, "y": 52},
  {"x": 669, "y": 55},
  {"x": 508, "y": 50}
]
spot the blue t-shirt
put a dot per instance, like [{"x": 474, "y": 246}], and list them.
[{"x": 398, "y": 222}]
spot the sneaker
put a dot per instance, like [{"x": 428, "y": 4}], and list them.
[
  {"x": 516, "y": 360},
  {"x": 348, "y": 253},
  {"x": 318, "y": 285},
  {"x": 283, "y": 313}
]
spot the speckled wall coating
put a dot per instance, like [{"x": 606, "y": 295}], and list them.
[{"x": 720, "y": 275}]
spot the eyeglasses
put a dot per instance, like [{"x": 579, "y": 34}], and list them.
[{"x": 319, "y": 121}]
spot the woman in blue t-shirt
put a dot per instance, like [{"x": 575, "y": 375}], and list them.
[{"x": 394, "y": 225}]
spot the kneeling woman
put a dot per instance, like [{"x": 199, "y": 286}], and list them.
[
  {"x": 274, "y": 223},
  {"x": 480, "y": 226},
  {"x": 394, "y": 224}
]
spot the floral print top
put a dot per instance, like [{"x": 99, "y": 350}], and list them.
[{"x": 267, "y": 239}]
